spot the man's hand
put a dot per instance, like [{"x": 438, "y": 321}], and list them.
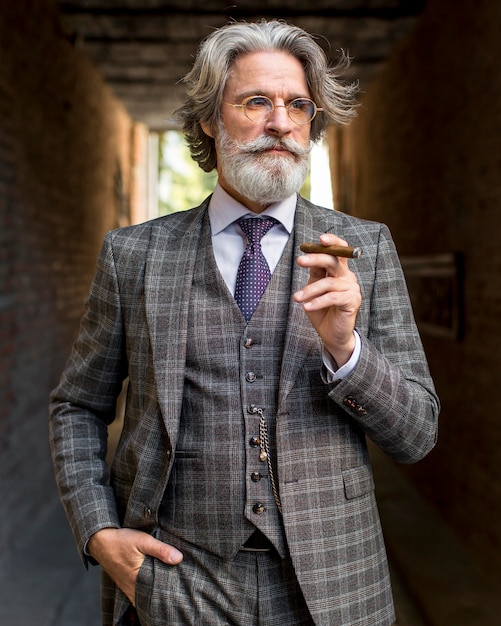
[
  {"x": 331, "y": 299},
  {"x": 122, "y": 551}
]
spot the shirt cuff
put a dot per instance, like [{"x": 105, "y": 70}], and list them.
[{"x": 332, "y": 374}]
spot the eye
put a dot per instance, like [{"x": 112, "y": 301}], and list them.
[
  {"x": 302, "y": 105},
  {"x": 258, "y": 102}
]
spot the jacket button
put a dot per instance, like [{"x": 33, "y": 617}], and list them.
[
  {"x": 256, "y": 477},
  {"x": 147, "y": 512},
  {"x": 349, "y": 401},
  {"x": 352, "y": 404},
  {"x": 259, "y": 508},
  {"x": 250, "y": 377}
]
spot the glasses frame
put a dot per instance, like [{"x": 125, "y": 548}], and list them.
[{"x": 245, "y": 101}]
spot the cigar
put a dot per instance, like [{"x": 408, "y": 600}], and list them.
[{"x": 348, "y": 252}]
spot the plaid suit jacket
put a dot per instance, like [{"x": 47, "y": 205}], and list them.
[{"x": 135, "y": 325}]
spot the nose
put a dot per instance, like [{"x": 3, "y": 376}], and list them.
[{"x": 279, "y": 123}]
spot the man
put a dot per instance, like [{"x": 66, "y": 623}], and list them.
[{"x": 241, "y": 491}]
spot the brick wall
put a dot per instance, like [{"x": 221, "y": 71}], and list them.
[
  {"x": 424, "y": 157},
  {"x": 66, "y": 170}
]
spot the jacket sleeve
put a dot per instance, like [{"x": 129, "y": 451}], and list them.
[
  {"x": 83, "y": 404},
  {"x": 390, "y": 393}
]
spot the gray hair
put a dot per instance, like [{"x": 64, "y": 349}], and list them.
[{"x": 207, "y": 80}]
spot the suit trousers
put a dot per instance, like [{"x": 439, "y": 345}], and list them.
[{"x": 251, "y": 589}]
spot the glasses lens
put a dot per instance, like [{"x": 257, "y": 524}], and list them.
[
  {"x": 302, "y": 110},
  {"x": 258, "y": 108}
]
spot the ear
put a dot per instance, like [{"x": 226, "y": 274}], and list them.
[{"x": 207, "y": 129}]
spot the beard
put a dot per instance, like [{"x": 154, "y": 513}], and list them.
[{"x": 258, "y": 176}]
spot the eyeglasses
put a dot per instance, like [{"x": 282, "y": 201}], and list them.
[{"x": 260, "y": 109}]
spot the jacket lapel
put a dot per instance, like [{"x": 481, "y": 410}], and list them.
[
  {"x": 170, "y": 263},
  {"x": 301, "y": 338}
]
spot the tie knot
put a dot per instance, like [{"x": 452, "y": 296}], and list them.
[{"x": 256, "y": 228}]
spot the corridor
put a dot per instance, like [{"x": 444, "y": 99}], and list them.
[{"x": 81, "y": 101}]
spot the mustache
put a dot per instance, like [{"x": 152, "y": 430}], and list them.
[{"x": 261, "y": 144}]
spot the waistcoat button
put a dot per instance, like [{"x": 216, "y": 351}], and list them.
[
  {"x": 254, "y": 442},
  {"x": 256, "y": 477},
  {"x": 259, "y": 508},
  {"x": 248, "y": 342},
  {"x": 250, "y": 377}
]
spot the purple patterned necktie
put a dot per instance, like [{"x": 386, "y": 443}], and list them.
[{"x": 253, "y": 272}]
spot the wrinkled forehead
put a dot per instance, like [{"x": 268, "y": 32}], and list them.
[{"x": 273, "y": 73}]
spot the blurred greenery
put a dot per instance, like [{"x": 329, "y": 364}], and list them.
[{"x": 181, "y": 183}]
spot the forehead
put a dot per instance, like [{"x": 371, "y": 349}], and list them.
[{"x": 269, "y": 73}]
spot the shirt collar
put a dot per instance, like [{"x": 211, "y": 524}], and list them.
[{"x": 224, "y": 210}]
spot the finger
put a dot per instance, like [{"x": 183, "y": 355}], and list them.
[
  {"x": 329, "y": 291},
  {"x": 321, "y": 265},
  {"x": 316, "y": 289},
  {"x": 340, "y": 292},
  {"x": 326, "y": 301},
  {"x": 329, "y": 239},
  {"x": 160, "y": 550},
  {"x": 318, "y": 262}
]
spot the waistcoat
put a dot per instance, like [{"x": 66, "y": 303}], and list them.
[{"x": 219, "y": 490}]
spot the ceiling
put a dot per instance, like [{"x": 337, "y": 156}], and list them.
[{"x": 144, "y": 47}]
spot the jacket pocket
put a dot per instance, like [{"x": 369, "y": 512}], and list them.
[
  {"x": 144, "y": 587},
  {"x": 358, "y": 482}
]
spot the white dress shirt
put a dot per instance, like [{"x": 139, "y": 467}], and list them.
[{"x": 229, "y": 241}]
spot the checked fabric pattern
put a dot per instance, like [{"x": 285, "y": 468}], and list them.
[{"x": 253, "y": 272}]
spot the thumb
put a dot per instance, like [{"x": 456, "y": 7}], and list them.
[{"x": 159, "y": 550}]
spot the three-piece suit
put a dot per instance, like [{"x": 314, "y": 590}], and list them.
[{"x": 187, "y": 465}]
